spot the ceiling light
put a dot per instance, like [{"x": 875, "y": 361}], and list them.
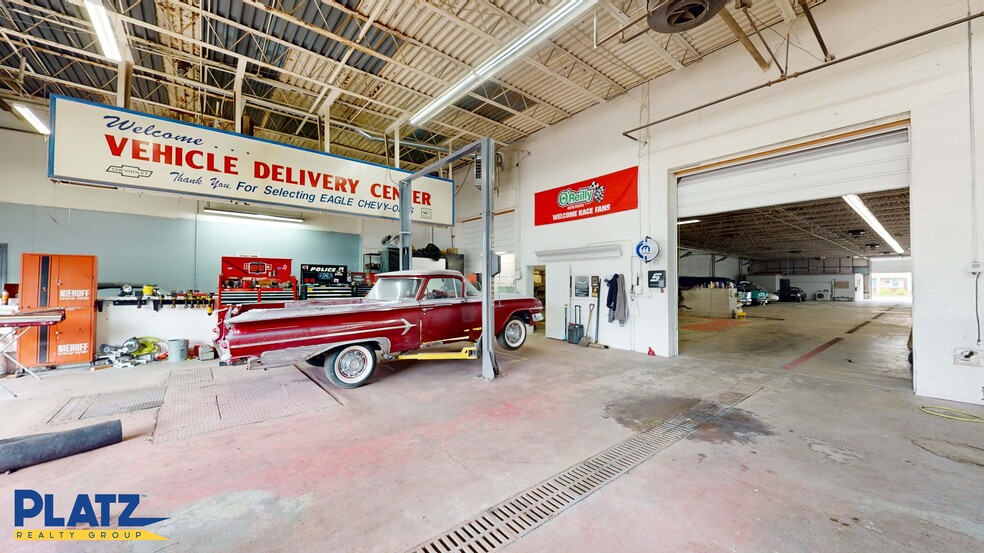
[
  {"x": 554, "y": 20},
  {"x": 596, "y": 251},
  {"x": 262, "y": 216},
  {"x": 104, "y": 30},
  {"x": 32, "y": 118},
  {"x": 688, "y": 222},
  {"x": 855, "y": 202}
]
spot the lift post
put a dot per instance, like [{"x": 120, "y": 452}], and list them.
[{"x": 485, "y": 149}]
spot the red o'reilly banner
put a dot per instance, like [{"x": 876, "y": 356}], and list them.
[{"x": 618, "y": 191}]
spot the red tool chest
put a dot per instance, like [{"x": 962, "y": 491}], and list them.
[
  {"x": 256, "y": 280},
  {"x": 67, "y": 281}
]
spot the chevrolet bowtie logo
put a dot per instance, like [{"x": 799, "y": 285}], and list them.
[{"x": 129, "y": 171}]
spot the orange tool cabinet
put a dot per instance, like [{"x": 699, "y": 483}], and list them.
[{"x": 67, "y": 281}]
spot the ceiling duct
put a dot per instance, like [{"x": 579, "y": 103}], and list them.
[{"x": 676, "y": 16}]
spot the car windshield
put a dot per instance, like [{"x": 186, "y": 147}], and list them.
[{"x": 394, "y": 289}]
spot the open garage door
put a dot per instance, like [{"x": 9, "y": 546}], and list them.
[
  {"x": 868, "y": 164},
  {"x": 504, "y": 242},
  {"x": 802, "y": 229}
]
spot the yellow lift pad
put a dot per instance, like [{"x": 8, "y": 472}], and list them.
[{"x": 470, "y": 352}]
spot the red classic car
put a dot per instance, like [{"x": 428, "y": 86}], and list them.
[{"x": 404, "y": 311}]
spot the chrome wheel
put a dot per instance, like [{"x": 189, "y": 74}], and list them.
[
  {"x": 352, "y": 363},
  {"x": 351, "y": 366},
  {"x": 513, "y": 335}
]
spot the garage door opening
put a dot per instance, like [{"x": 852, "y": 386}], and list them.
[
  {"x": 539, "y": 273},
  {"x": 800, "y": 262},
  {"x": 889, "y": 286}
]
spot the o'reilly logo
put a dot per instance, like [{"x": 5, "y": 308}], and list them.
[{"x": 594, "y": 192}]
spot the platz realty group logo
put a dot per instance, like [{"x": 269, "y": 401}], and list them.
[{"x": 36, "y": 518}]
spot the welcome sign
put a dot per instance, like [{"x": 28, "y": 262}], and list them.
[
  {"x": 611, "y": 193},
  {"x": 98, "y": 144}
]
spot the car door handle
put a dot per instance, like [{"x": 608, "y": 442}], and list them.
[{"x": 426, "y": 309}]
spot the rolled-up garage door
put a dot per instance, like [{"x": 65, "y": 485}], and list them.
[{"x": 868, "y": 164}]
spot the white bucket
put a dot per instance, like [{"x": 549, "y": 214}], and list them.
[{"x": 177, "y": 350}]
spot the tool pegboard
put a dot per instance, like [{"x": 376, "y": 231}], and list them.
[{"x": 256, "y": 280}]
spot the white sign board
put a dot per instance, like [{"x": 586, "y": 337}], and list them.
[{"x": 98, "y": 144}]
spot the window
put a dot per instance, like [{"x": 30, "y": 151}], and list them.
[
  {"x": 394, "y": 289},
  {"x": 441, "y": 288}
]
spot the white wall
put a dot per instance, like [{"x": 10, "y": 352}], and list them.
[
  {"x": 728, "y": 268},
  {"x": 811, "y": 284},
  {"x": 699, "y": 265},
  {"x": 891, "y": 265},
  {"x": 925, "y": 80},
  {"x": 769, "y": 282}
]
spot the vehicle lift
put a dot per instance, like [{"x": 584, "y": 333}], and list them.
[
  {"x": 485, "y": 150},
  {"x": 469, "y": 352}
]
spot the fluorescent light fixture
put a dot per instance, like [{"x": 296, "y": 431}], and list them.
[
  {"x": 32, "y": 118},
  {"x": 104, "y": 29},
  {"x": 591, "y": 252},
  {"x": 688, "y": 222},
  {"x": 247, "y": 215},
  {"x": 855, "y": 202},
  {"x": 554, "y": 20}
]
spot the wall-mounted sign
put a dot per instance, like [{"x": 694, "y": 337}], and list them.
[
  {"x": 657, "y": 279},
  {"x": 582, "y": 287},
  {"x": 611, "y": 193},
  {"x": 647, "y": 249},
  {"x": 324, "y": 275},
  {"x": 98, "y": 144}
]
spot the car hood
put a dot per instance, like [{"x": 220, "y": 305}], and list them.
[{"x": 317, "y": 308}]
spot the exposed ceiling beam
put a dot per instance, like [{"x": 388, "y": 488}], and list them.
[
  {"x": 495, "y": 41},
  {"x": 624, "y": 19},
  {"x": 511, "y": 132},
  {"x": 356, "y": 46},
  {"x": 786, "y": 9},
  {"x": 440, "y": 54},
  {"x": 743, "y": 38},
  {"x": 554, "y": 46}
]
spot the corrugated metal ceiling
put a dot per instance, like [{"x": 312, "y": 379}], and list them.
[{"x": 369, "y": 63}]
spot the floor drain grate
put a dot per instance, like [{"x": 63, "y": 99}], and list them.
[
  {"x": 109, "y": 403},
  {"x": 508, "y": 521}
]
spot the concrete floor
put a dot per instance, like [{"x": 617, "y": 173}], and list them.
[
  {"x": 830, "y": 455},
  {"x": 779, "y": 334}
]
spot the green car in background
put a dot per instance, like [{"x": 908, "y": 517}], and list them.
[{"x": 750, "y": 293}]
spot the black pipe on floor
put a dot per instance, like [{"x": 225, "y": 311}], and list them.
[{"x": 26, "y": 451}]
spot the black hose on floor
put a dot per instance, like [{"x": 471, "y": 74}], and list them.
[{"x": 26, "y": 451}]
